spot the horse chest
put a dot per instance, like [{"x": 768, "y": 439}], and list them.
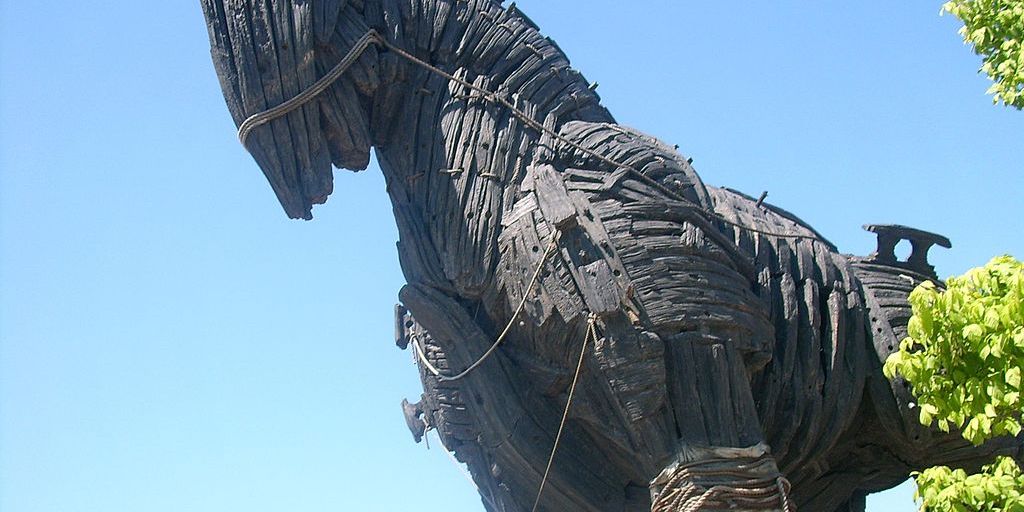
[{"x": 453, "y": 165}]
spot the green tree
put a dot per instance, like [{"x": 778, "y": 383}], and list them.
[
  {"x": 997, "y": 487},
  {"x": 996, "y": 29},
  {"x": 963, "y": 357}
]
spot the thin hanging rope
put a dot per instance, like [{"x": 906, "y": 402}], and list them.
[
  {"x": 504, "y": 332},
  {"x": 591, "y": 334},
  {"x": 372, "y": 37}
]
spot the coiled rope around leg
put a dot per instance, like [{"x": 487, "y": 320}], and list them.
[{"x": 723, "y": 483}]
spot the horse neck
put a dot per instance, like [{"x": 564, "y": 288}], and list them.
[
  {"x": 427, "y": 127},
  {"x": 453, "y": 159}
]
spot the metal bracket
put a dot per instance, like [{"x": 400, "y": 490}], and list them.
[
  {"x": 403, "y": 326},
  {"x": 414, "y": 419}
]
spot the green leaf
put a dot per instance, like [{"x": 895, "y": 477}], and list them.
[
  {"x": 1013, "y": 377},
  {"x": 994, "y": 29},
  {"x": 965, "y": 350}
]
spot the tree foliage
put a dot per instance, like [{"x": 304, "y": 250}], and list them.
[
  {"x": 996, "y": 29},
  {"x": 965, "y": 351},
  {"x": 963, "y": 357},
  {"x": 997, "y": 487}
]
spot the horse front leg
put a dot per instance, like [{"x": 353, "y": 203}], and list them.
[
  {"x": 723, "y": 462},
  {"x": 681, "y": 323},
  {"x": 716, "y": 332}
]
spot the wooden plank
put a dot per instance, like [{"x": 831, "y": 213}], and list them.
[
  {"x": 552, "y": 198},
  {"x": 599, "y": 288},
  {"x": 325, "y": 17}
]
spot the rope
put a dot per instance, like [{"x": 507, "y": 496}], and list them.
[
  {"x": 313, "y": 91},
  {"x": 591, "y": 334},
  {"x": 504, "y": 332},
  {"x": 372, "y": 37},
  {"x": 750, "y": 496},
  {"x": 681, "y": 494},
  {"x": 784, "y": 487}
]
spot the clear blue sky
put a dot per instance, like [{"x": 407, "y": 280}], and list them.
[{"x": 170, "y": 341}]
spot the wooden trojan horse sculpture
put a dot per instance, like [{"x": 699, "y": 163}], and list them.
[{"x": 573, "y": 282}]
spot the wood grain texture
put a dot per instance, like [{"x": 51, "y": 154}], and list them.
[{"x": 723, "y": 321}]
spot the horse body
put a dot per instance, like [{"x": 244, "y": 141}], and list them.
[{"x": 724, "y": 323}]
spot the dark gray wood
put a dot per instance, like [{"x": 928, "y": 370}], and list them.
[
  {"x": 724, "y": 321},
  {"x": 921, "y": 241}
]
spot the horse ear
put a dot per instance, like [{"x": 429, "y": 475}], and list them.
[{"x": 325, "y": 17}]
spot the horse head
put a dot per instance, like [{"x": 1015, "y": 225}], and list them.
[
  {"x": 337, "y": 67},
  {"x": 268, "y": 53}
]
